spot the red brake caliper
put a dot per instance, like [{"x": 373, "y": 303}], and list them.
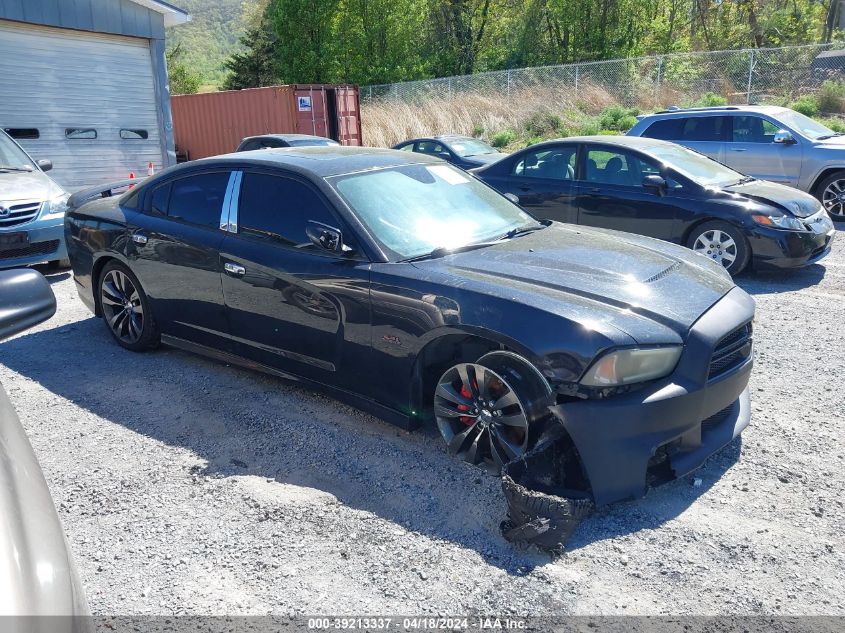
[{"x": 467, "y": 420}]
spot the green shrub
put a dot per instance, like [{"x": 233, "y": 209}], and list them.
[
  {"x": 543, "y": 124},
  {"x": 477, "y": 130},
  {"x": 806, "y": 105},
  {"x": 503, "y": 138},
  {"x": 831, "y": 97},
  {"x": 618, "y": 118},
  {"x": 837, "y": 125},
  {"x": 610, "y": 133},
  {"x": 710, "y": 99},
  {"x": 533, "y": 140},
  {"x": 590, "y": 127}
]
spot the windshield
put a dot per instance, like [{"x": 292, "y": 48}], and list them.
[
  {"x": 697, "y": 167},
  {"x": 471, "y": 147},
  {"x": 805, "y": 125},
  {"x": 12, "y": 156},
  {"x": 312, "y": 142},
  {"x": 414, "y": 209}
]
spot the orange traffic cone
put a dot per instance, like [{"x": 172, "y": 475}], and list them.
[
  {"x": 131, "y": 177},
  {"x": 150, "y": 169}
]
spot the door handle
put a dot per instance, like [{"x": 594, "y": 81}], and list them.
[
  {"x": 234, "y": 269},
  {"x": 738, "y": 149},
  {"x": 139, "y": 238},
  {"x": 524, "y": 188}
]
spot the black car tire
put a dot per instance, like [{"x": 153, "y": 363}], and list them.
[
  {"x": 497, "y": 417},
  {"x": 739, "y": 247},
  {"x": 136, "y": 330},
  {"x": 835, "y": 207}
]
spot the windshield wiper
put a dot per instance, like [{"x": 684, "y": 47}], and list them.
[
  {"x": 522, "y": 230},
  {"x": 742, "y": 181},
  {"x": 13, "y": 168},
  {"x": 442, "y": 251},
  {"x": 827, "y": 136}
]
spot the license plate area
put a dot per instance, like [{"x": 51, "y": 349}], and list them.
[{"x": 9, "y": 241}]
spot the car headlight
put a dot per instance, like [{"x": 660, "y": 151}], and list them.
[
  {"x": 55, "y": 208},
  {"x": 786, "y": 222},
  {"x": 626, "y": 366}
]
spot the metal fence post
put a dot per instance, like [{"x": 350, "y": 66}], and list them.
[
  {"x": 509, "y": 83},
  {"x": 750, "y": 75},
  {"x": 577, "y": 76}
]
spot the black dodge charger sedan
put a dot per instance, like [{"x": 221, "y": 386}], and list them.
[
  {"x": 666, "y": 191},
  {"x": 412, "y": 290}
]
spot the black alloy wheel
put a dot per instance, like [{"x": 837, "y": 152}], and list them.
[{"x": 126, "y": 309}]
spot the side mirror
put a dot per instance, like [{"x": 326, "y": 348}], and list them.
[
  {"x": 512, "y": 197},
  {"x": 444, "y": 155},
  {"x": 326, "y": 237},
  {"x": 655, "y": 183},
  {"x": 44, "y": 164},
  {"x": 26, "y": 299},
  {"x": 784, "y": 136}
]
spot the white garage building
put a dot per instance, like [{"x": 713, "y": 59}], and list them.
[{"x": 84, "y": 83}]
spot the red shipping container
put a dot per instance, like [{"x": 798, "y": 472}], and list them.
[{"x": 215, "y": 122}]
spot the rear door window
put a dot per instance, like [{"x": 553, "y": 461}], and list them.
[
  {"x": 279, "y": 208},
  {"x": 557, "y": 163},
  {"x": 198, "y": 199},
  {"x": 704, "y": 128},
  {"x": 430, "y": 147}
]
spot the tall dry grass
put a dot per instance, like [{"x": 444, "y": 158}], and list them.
[{"x": 387, "y": 122}]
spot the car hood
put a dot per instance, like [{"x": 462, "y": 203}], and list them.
[
  {"x": 485, "y": 159},
  {"x": 834, "y": 142},
  {"x": 638, "y": 285},
  {"x": 32, "y": 185},
  {"x": 37, "y": 572},
  {"x": 786, "y": 198}
]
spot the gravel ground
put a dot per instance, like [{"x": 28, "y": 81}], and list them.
[{"x": 187, "y": 486}]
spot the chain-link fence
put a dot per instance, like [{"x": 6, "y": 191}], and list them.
[{"x": 742, "y": 76}]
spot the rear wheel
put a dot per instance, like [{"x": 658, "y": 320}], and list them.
[
  {"x": 126, "y": 309},
  {"x": 831, "y": 193},
  {"x": 491, "y": 410},
  {"x": 723, "y": 243}
]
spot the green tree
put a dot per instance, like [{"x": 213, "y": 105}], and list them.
[
  {"x": 183, "y": 81},
  {"x": 255, "y": 65}
]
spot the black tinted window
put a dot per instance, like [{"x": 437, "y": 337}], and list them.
[
  {"x": 23, "y": 132},
  {"x": 753, "y": 129},
  {"x": 199, "y": 199},
  {"x": 703, "y": 128},
  {"x": 667, "y": 129},
  {"x": 160, "y": 198},
  {"x": 557, "y": 164},
  {"x": 279, "y": 208}
]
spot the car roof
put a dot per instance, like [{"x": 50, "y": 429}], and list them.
[
  {"x": 288, "y": 137},
  {"x": 323, "y": 161},
  {"x": 444, "y": 138},
  {"x": 725, "y": 109},
  {"x": 634, "y": 142}
]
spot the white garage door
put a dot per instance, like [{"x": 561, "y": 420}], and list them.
[{"x": 90, "y": 99}]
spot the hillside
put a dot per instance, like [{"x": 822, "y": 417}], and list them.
[{"x": 211, "y": 36}]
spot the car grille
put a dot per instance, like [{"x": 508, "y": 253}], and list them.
[
  {"x": 36, "y": 248},
  {"x": 716, "y": 419},
  {"x": 731, "y": 351},
  {"x": 18, "y": 213}
]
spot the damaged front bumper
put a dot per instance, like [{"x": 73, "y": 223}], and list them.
[{"x": 668, "y": 429}]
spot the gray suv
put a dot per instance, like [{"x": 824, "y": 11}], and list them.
[{"x": 766, "y": 142}]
